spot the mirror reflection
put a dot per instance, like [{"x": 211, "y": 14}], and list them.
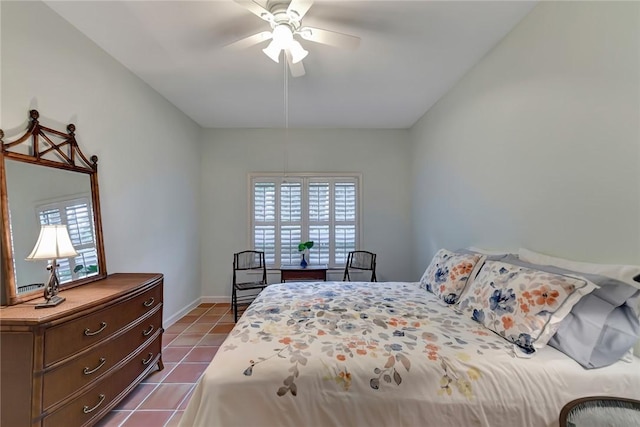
[{"x": 48, "y": 196}]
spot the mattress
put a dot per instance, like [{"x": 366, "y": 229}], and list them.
[{"x": 384, "y": 354}]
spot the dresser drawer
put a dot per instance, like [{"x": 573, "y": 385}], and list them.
[
  {"x": 106, "y": 392},
  {"x": 79, "y": 372},
  {"x": 71, "y": 337}
]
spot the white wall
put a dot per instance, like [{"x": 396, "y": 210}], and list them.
[
  {"x": 149, "y": 168},
  {"x": 539, "y": 144},
  {"x": 228, "y": 156}
]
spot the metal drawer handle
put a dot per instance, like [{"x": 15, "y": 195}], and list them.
[
  {"x": 88, "y": 371},
  {"x": 86, "y": 409},
  {"x": 149, "y": 302},
  {"x": 148, "y": 331},
  {"x": 145, "y": 362},
  {"x": 88, "y": 332}
]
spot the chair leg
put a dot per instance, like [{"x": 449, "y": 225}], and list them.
[{"x": 234, "y": 304}]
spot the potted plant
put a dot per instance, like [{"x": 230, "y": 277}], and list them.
[
  {"x": 302, "y": 247},
  {"x": 85, "y": 270}
]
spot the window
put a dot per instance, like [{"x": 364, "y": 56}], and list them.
[
  {"x": 78, "y": 217},
  {"x": 300, "y": 207}
]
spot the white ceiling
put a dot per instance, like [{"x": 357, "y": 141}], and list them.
[{"x": 411, "y": 53}]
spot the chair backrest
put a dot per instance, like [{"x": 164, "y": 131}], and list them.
[
  {"x": 360, "y": 260},
  {"x": 249, "y": 260}
]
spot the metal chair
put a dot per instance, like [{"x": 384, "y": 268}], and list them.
[
  {"x": 360, "y": 260},
  {"x": 244, "y": 261}
]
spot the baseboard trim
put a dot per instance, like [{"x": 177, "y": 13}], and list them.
[
  {"x": 195, "y": 303},
  {"x": 180, "y": 314},
  {"x": 215, "y": 299}
]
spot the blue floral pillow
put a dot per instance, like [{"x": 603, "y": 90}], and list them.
[
  {"x": 448, "y": 274},
  {"x": 523, "y": 305}
]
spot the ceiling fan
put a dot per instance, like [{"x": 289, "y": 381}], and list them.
[{"x": 285, "y": 19}]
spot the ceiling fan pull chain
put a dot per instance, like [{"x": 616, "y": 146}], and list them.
[{"x": 285, "y": 160}]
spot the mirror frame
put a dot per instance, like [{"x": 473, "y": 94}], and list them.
[{"x": 37, "y": 138}]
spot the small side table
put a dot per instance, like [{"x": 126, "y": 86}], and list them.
[{"x": 310, "y": 272}]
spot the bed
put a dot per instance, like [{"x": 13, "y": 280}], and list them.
[{"x": 384, "y": 354}]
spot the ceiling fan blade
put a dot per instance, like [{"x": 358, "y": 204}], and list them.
[
  {"x": 249, "y": 41},
  {"x": 296, "y": 69},
  {"x": 256, "y": 9},
  {"x": 330, "y": 38},
  {"x": 299, "y": 7}
]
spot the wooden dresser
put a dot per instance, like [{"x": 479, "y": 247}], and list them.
[{"x": 69, "y": 365}]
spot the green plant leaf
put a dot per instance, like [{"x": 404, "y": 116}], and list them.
[
  {"x": 78, "y": 268},
  {"x": 305, "y": 245}
]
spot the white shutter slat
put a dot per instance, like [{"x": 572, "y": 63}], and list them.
[
  {"x": 265, "y": 240},
  {"x": 319, "y": 202},
  {"x": 79, "y": 224},
  {"x": 321, "y": 244},
  {"x": 345, "y": 202},
  {"x": 290, "y": 236},
  {"x": 264, "y": 216},
  {"x": 50, "y": 217},
  {"x": 64, "y": 271},
  {"x": 345, "y": 241},
  {"x": 290, "y": 202},
  {"x": 264, "y": 201}
]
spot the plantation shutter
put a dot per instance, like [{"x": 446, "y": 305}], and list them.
[
  {"x": 287, "y": 211},
  {"x": 319, "y": 216},
  {"x": 264, "y": 219},
  {"x": 80, "y": 226},
  {"x": 344, "y": 220},
  {"x": 78, "y": 217},
  {"x": 290, "y": 221}
]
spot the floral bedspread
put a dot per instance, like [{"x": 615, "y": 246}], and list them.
[{"x": 388, "y": 353}]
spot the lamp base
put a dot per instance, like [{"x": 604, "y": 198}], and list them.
[{"x": 55, "y": 300}]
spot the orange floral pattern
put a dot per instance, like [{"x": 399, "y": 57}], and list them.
[
  {"x": 448, "y": 274},
  {"x": 518, "y": 302},
  {"x": 379, "y": 334}
]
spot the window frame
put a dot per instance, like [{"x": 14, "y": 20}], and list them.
[{"x": 305, "y": 178}]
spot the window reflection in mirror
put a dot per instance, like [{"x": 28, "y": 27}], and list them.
[{"x": 41, "y": 195}]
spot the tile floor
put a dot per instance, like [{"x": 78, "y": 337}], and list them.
[{"x": 187, "y": 348}]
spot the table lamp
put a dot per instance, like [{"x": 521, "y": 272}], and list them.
[{"x": 53, "y": 243}]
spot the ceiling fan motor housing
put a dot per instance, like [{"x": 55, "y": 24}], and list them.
[{"x": 282, "y": 16}]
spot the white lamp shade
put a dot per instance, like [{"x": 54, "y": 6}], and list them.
[
  {"x": 283, "y": 40},
  {"x": 273, "y": 51},
  {"x": 53, "y": 243},
  {"x": 282, "y": 36},
  {"x": 298, "y": 53}
]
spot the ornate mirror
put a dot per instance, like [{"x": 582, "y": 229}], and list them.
[{"x": 46, "y": 180}]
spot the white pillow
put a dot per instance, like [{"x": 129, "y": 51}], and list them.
[
  {"x": 521, "y": 304},
  {"x": 624, "y": 273},
  {"x": 448, "y": 274},
  {"x": 487, "y": 251}
]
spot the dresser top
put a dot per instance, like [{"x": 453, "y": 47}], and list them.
[{"x": 78, "y": 299}]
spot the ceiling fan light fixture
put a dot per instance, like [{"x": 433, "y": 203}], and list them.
[
  {"x": 282, "y": 39},
  {"x": 298, "y": 53},
  {"x": 283, "y": 36},
  {"x": 273, "y": 51}
]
